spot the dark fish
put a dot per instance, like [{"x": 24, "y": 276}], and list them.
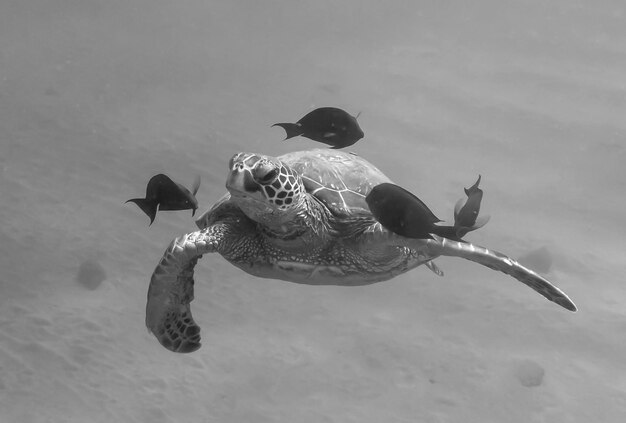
[
  {"x": 327, "y": 125},
  {"x": 404, "y": 214},
  {"x": 164, "y": 194},
  {"x": 466, "y": 210}
]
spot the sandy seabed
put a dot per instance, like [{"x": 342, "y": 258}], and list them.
[{"x": 96, "y": 97}]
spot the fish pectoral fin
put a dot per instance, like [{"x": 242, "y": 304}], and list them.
[
  {"x": 196, "y": 185},
  {"x": 461, "y": 231},
  {"x": 329, "y": 134}
]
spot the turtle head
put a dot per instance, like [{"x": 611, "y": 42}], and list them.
[{"x": 265, "y": 189}]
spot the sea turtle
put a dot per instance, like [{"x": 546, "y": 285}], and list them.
[{"x": 301, "y": 217}]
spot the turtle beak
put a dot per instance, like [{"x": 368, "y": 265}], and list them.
[{"x": 241, "y": 181}]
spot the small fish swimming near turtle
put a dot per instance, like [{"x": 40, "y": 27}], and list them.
[
  {"x": 466, "y": 210},
  {"x": 401, "y": 212},
  {"x": 164, "y": 194},
  {"x": 328, "y": 125}
]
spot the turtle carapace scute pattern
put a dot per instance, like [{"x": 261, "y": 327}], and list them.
[{"x": 302, "y": 217}]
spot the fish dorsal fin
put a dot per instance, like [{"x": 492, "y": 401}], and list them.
[{"x": 156, "y": 183}]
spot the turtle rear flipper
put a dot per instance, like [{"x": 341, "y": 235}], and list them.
[{"x": 498, "y": 261}]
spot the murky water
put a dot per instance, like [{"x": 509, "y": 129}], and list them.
[{"x": 96, "y": 97}]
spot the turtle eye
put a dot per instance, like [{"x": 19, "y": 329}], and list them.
[{"x": 269, "y": 176}]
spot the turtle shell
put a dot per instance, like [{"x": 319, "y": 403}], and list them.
[{"x": 338, "y": 179}]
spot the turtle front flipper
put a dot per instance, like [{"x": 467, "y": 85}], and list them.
[
  {"x": 168, "y": 314},
  {"x": 503, "y": 263}
]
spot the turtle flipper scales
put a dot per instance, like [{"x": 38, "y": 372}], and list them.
[
  {"x": 434, "y": 268},
  {"x": 505, "y": 264},
  {"x": 168, "y": 314}
]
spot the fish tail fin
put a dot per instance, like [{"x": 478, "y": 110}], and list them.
[
  {"x": 292, "y": 129},
  {"x": 457, "y": 232},
  {"x": 450, "y": 232},
  {"x": 458, "y": 206},
  {"x": 480, "y": 222},
  {"x": 473, "y": 188},
  {"x": 461, "y": 231},
  {"x": 149, "y": 207}
]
